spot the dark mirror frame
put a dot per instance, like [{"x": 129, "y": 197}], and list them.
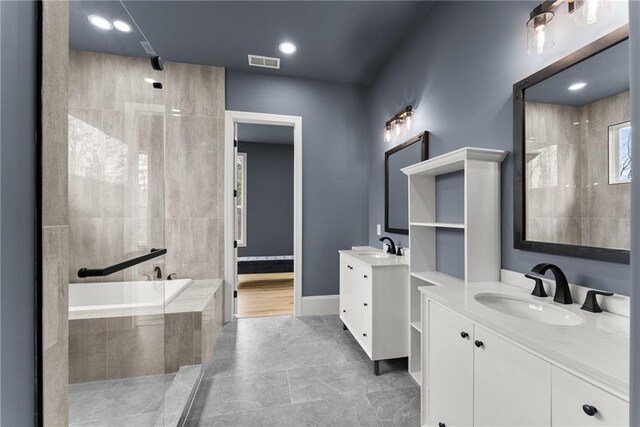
[
  {"x": 424, "y": 155},
  {"x": 520, "y": 239}
]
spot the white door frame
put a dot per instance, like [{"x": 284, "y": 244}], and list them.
[{"x": 231, "y": 118}]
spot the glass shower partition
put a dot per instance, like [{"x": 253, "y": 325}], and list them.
[{"x": 117, "y": 372}]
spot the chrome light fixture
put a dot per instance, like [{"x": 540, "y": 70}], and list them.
[{"x": 399, "y": 123}]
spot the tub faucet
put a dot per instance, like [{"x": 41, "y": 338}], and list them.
[
  {"x": 392, "y": 246},
  {"x": 158, "y": 271},
  {"x": 563, "y": 294}
]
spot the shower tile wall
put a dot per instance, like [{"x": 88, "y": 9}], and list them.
[
  {"x": 569, "y": 198},
  {"x": 55, "y": 230},
  {"x": 112, "y": 108},
  {"x": 194, "y": 171}
]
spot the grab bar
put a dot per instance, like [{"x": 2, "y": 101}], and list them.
[{"x": 97, "y": 272}]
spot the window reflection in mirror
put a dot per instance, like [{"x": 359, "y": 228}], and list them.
[{"x": 578, "y": 147}]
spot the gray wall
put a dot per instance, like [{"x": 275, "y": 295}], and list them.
[
  {"x": 269, "y": 199},
  {"x": 335, "y": 143},
  {"x": 634, "y": 24},
  {"x": 460, "y": 83},
  {"x": 18, "y": 202}
]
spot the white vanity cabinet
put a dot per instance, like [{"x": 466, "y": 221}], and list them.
[
  {"x": 571, "y": 393},
  {"x": 476, "y": 378},
  {"x": 374, "y": 304}
]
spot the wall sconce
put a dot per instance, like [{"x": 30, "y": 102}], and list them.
[
  {"x": 399, "y": 123},
  {"x": 540, "y": 27}
]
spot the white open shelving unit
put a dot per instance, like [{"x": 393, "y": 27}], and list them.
[{"x": 481, "y": 228}]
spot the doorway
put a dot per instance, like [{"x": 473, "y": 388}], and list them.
[
  {"x": 261, "y": 277},
  {"x": 264, "y": 220}
]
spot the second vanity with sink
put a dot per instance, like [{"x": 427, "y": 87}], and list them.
[
  {"x": 495, "y": 355},
  {"x": 374, "y": 301}
]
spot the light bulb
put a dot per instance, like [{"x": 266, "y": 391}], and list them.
[
  {"x": 407, "y": 121},
  {"x": 387, "y": 134},
  {"x": 589, "y": 11},
  {"x": 397, "y": 127},
  {"x": 539, "y": 33}
]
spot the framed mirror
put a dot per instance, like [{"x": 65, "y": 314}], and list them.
[
  {"x": 396, "y": 194},
  {"x": 572, "y": 154}
]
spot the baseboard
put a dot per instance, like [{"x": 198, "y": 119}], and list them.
[{"x": 322, "y": 304}]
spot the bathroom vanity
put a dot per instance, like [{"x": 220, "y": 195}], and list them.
[
  {"x": 495, "y": 355},
  {"x": 374, "y": 302}
]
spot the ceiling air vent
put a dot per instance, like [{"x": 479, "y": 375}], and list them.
[{"x": 264, "y": 61}]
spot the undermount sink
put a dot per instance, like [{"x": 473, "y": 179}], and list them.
[
  {"x": 528, "y": 309},
  {"x": 374, "y": 254}
]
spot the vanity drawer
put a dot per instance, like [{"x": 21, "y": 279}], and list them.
[{"x": 569, "y": 394}]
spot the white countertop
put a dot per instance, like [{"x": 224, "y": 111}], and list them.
[
  {"x": 597, "y": 350},
  {"x": 390, "y": 261}
]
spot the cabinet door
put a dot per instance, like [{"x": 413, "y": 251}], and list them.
[
  {"x": 363, "y": 306},
  {"x": 348, "y": 291},
  {"x": 511, "y": 386},
  {"x": 450, "y": 368},
  {"x": 571, "y": 393}
]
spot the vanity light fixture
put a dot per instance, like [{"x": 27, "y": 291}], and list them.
[
  {"x": 399, "y": 123},
  {"x": 540, "y": 26},
  {"x": 577, "y": 86},
  {"x": 589, "y": 11},
  {"x": 100, "y": 22}
]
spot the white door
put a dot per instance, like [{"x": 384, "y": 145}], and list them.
[
  {"x": 511, "y": 386},
  {"x": 450, "y": 370},
  {"x": 578, "y": 403}
]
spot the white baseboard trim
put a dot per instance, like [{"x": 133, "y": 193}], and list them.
[{"x": 322, "y": 304}]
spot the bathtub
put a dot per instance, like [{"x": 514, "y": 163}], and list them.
[{"x": 105, "y": 299}]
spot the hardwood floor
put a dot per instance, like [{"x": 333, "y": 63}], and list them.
[{"x": 265, "y": 294}]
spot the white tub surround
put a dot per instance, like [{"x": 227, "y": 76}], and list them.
[
  {"x": 111, "y": 299},
  {"x": 374, "y": 302},
  {"x": 486, "y": 367}
]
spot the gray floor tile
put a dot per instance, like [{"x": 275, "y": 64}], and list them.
[
  {"x": 350, "y": 348},
  {"x": 331, "y": 318},
  {"x": 141, "y": 420},
  {"x": 397, "y": 407},
  {"x": 349, "y": 411},
  {"x": 241, "y": 393},
  {"x": 330, "y": 380}
]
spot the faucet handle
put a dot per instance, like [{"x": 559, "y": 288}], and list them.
[
  {"x": 538, "y": 290},
  {"x": 591, "y": 303}
]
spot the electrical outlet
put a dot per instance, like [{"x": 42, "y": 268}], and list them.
[{"x": 378, "y": 229}]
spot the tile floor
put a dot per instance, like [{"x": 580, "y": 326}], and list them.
[
  {"x": 288, "y": 371},
  {"x": 124, "y": 402}
]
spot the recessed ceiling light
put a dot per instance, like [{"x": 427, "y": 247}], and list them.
[
  {"x": 149, "y": 80},
  {"x": 100, "y": 22},
  {"x": 122, "y": 26},
  {"x": 288, "y": 48},
  {"x": 175, "y": 110},
  {"x": 577, "y": 86}
]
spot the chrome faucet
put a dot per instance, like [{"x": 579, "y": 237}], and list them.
[
  {"x": 146, "y": 276},
  {"x": 392, "y": 246},
  {"x": 563, "y": 293}
]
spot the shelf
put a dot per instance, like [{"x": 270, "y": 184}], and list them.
[
  {"x": 417, "y": 326},
  {"x": 438, "y": 224},
  {"x": 437, "y": 278},
  {"x": 454, "y": 161}
]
